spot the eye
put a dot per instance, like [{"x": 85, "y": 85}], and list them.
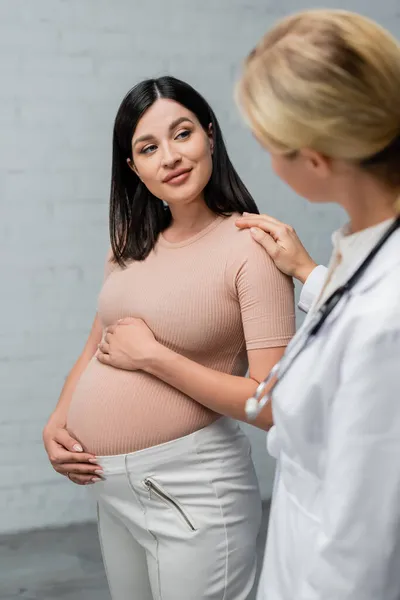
[
  {"x": 183, "y": 135},
  {"x": 148, "y": 149}
]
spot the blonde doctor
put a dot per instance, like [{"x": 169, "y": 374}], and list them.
[{"x": 321, "y": 92}]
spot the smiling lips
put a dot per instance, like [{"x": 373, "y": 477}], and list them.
[{"x": 178, "y": 176}]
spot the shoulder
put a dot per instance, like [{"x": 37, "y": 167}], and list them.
[
  {"x": 110, "y": 265},
  {"x": 240, "y": 242},
  {"x": 249, "y": 266},
  {"x": 230, "y": 229}
]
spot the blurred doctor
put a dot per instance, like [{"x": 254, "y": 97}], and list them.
[{"x": 321, "y": 93}]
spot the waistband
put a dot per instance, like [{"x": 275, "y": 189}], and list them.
[{"x": 222, "y": 428}]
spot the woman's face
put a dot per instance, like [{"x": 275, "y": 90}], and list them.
[
  {"x": 307, "y": 173},
  {"x": 172, "y": 154}
]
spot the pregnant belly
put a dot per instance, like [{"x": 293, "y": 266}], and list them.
[{"x": 115, "y": 412}]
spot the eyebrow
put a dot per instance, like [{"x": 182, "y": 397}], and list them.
[{"x": 148, "y": 137}]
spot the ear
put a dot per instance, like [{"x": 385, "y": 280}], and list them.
[
  {"x": 210, "y": 134},
  {"x": 132, "y": 167},
  {"x": 319, "y": 164}
]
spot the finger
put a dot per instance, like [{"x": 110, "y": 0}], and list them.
[
  {"x": 83, "y": 479},
  {"x": 104, "y": 347},
  {"x": 266, "y": 241},
  {"x": 107, "y": 337},
  {"x": 103, "y": 358},
  {"x": 127, "y": 321},
  {"x": 256, "y": 216},
  {"x": 79, "y": 469},
  {"x": 274, "y": 229},
  {"x": 63, "y": 438},
  {"x": 111, "y": 329},
  {"x": 58, "y": 455},
  {"x": 279, "y": 231},
  {"x": 261, "y": 221}
]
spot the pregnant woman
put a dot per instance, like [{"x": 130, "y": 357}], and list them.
[{"x": 188, "y": 305}]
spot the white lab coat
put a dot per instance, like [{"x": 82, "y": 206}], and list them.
[{"x": 334, "y": 530}]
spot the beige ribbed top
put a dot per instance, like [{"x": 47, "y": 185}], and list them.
[{"x": 207, "y": 298}]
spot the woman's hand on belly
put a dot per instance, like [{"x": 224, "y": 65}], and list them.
[
  {"x": 67, "y": 457},
  {"x": 127, "y": 345}
]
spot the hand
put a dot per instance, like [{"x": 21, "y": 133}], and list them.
[
  {"x": 128, "y": 345},
  {"x": 281, "y": 243},
  {"x": 67, "y": 456}
]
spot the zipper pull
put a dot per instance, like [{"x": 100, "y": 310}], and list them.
[{"x": 147, "y": 485}]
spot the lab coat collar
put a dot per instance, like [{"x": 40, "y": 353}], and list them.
[
  {"x": 351, "y": 246},
  {"x": 387, "y": 260},
  {"x": 352, "y": 249}
]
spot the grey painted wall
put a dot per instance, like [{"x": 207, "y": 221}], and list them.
[{"x": 65, "y": 65}]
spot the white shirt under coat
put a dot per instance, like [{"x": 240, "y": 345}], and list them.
[{"x": 334, "y": 531}]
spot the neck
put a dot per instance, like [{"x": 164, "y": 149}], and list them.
[
  {"x": 188, "y": 219},
  {"x": 368, "y": 202}
]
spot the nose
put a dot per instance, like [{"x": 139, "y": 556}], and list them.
[{"x": 170, "y": 157}]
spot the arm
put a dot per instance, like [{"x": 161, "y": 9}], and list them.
[
  {"x": 132, "y": 346},
  {"x": 357, "y": 554},
  {"x": 223, "y": 393},
  {"x": 65, "y": 454}
]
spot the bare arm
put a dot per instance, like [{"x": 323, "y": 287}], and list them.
[{"x": 223, "y": 393}]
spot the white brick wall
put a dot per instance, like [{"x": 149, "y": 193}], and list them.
[{"x": 65, "y": 65}]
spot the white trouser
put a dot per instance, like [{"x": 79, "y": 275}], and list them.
[{"x": 179, "y": 521}]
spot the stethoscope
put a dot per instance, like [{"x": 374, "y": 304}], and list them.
[{"x": 262, "y": 396}]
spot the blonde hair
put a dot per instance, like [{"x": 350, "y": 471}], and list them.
[{"x": 327, "y": 80}]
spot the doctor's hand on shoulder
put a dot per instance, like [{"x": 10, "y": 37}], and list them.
[{"x": 281, "y": 243}]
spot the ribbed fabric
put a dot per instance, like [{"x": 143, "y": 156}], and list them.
[{"x": 207, "y": 298}]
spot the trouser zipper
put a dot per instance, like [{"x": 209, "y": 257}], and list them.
[{"x": 155, "y": 487}]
